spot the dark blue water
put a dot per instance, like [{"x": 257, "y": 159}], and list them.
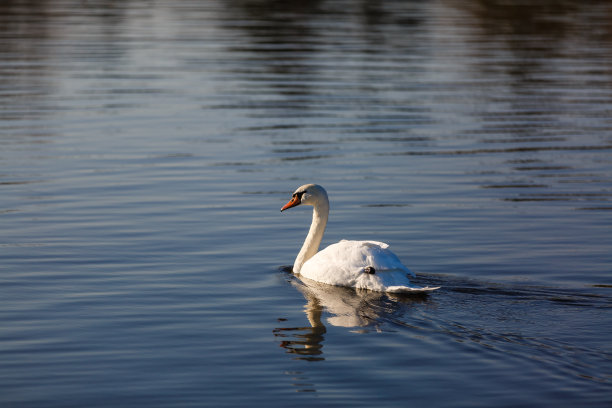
[{"x": 147, "y": 147}]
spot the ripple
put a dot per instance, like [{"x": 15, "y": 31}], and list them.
[{"x": 524, "y": 149}]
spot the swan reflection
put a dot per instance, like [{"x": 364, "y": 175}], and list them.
[
  {"x": 342, "y": 307},
  {"x": 305, "y": 342}
]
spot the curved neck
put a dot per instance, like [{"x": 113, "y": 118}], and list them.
[{"x": 315, "y": 234}]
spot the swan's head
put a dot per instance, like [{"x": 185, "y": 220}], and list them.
[{"x": 309, "y": 194}]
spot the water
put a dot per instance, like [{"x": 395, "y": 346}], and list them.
[{"x": 147, "y": 147}]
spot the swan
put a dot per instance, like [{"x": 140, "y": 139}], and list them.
[{"x": 356, "y": 264}]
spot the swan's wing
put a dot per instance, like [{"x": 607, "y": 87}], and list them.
[
  {"x": 343, "y": 264},
  {"x": 379, "y": 256},
  {"x": 366, "y": 243},
  {"x": 354, "y": 256},
  {"x": 335, "y": 265}
]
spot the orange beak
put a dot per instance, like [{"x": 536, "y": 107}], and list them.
[{"x": 292, "y": 203}]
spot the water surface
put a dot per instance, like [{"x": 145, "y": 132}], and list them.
[{"x": 147, "y": 147}]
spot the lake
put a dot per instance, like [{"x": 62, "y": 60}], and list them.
[{"x": 146, "y": 148}]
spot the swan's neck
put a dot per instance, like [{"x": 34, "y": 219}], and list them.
[{"x": 315, "y": 235}]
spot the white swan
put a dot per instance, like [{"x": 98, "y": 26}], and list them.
[{"x": 357, "y": 264}]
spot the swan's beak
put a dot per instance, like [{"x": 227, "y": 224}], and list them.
[{"x": 292, "y": 203}]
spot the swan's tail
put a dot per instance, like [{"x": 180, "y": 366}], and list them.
[{"x": 411, "y": 289}]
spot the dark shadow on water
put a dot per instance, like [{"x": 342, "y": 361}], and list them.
[{"x": 532, "y": 293}]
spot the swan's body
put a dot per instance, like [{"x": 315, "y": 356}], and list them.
[{"x": 357, "y": 264}]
